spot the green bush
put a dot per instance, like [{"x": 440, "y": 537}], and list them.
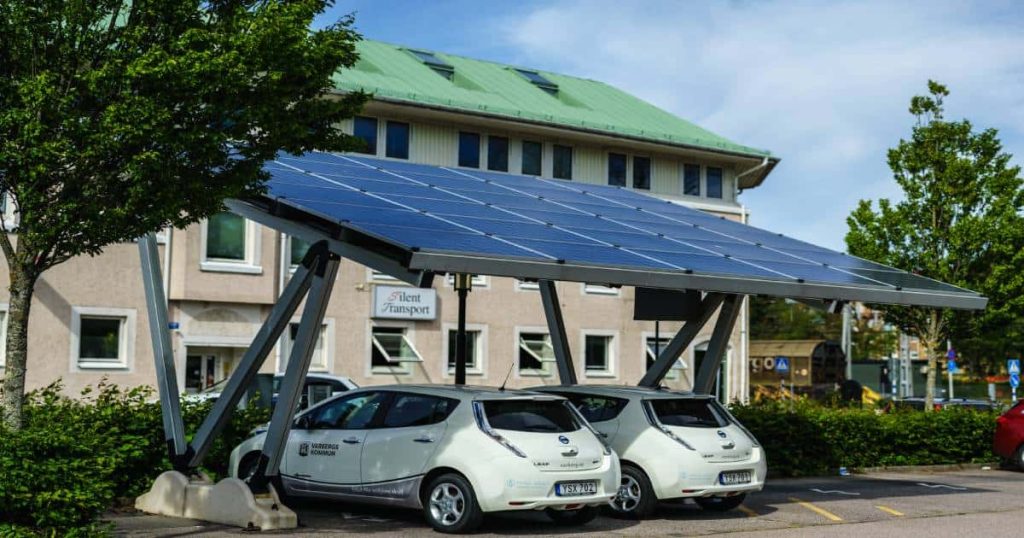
[
  {"x": 76, "y": 458},
  {"x": 803, "y": 438}
]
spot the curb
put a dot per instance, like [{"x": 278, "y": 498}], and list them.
[{"x": 942, "y": 468}]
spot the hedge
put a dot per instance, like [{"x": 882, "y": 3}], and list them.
[
  {"x": 78, "y": 457},
  {"x": 803, "y": 438}
]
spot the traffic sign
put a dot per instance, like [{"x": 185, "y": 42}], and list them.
[
  {"x": 1014, "y": 381},
  {"x": 782, "y": 365},
  {"x": 951, "y": 366},
  {"x": 1013, "y": 366}
]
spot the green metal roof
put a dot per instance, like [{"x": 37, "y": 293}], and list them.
[{"x": 391, "y": 72}]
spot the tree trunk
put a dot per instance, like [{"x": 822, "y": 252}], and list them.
[
  {"x": 929, "y": 386},
  {"x": 12, "y": 394}
]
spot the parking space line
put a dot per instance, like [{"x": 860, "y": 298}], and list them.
[
  {"x": 820, "y": 511},
  {"x": 750, "y": 513},
  {"x": 889, "y": 511}
]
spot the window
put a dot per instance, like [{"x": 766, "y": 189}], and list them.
[
  {"x": 642, "y": 173},
  {"x": 418, "y": 410},
  {"x": 365, "y": 129},
  {"x": 102, "y": 338},
  {"x": 297, "y": 249},
  {"x": 653, "y": 348},
  {"x": 699, "y": 354},
  {"x": 599, "y": 289},
  {"x": 469, "y": 150},
  {"x": 691, "y": 412},
  {"x": 319, "y": 361},
  {"x": 562, "y": 162},
  {"x": 539, "y": 81},
  {"x": 596, "y": 408},
  {"x": 391, "y": 348},
  {"x": 397, "y": 139},
  {"x": 527, "y": 285},
  {"x": 3, "y": 335},
  {"x": 532, "y": 158},
  {"x": 497, "y": 153},
  {"x": 378, "y": 276},
  {"x": 547, "y": 416},
  {"x": 535, "y": 354},
  {"x": 479, "y": 281},
  {"x": 438, "y": 65},
  {"x": 714, "y": 181},
  {"x": 473, "y": 350},
  {"x": 597, "y": 354},
  {"x": 230, "y": 243},
  {"x": 616, "y": 169},
  {"x": 354, "y": 412},
  {"x": 691, "y": 179}
]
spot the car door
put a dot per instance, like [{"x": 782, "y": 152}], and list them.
[
  {"x": 324, "y": 456},
  {"x": 411, "y": 429}
]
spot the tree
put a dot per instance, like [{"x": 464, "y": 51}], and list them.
[
  {"x": 959, "y": 222},
  {"x": 782, "y": 319},
  {"x": 121, "y": 117}
]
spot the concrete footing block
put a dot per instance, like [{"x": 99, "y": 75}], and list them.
[{"x": 229, "y": 502}]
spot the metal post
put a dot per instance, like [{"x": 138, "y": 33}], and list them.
[
  {"x": 667, "y": 358},
  {"x": 324, "y": 274},
  {"x": 241, "y": 379},
  {"x": 847, "y": 339},
  {"x": 163, "y": 355},
  {"x": 949, "y": 371},
  {"x": 463, "y": 283},
  {"x": 556, "y": 328},
  {"x": 719, "y": 343}
]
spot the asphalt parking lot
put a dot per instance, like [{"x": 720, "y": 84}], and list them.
[{"x": 961, "y": 503}]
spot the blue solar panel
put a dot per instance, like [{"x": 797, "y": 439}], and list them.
[{"x": 474, "y": 212}]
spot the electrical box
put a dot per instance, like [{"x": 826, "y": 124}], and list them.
[{"x": 666, "y": 305}]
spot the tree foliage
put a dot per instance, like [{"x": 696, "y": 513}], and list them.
[
  {"x": 959, "y": 222},
  {"x": 119, "y": 118}
]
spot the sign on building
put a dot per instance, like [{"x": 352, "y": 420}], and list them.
[{"x": 400, "y": 302}]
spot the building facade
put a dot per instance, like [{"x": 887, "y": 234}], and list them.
[{"x": 222, "y": 275}]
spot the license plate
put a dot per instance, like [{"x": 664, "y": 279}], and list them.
[
  {"x": 576, "y": 489},
  {"x": 734, "y": 477}
]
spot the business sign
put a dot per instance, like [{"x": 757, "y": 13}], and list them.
[{"x": 400, "y": 302}]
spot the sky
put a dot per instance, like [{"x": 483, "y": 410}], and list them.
[{"x": 824, "y": 86}]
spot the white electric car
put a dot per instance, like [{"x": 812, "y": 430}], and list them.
[
  {"x": 671, "y": 445},
  {"x": 455, "y": 452}
]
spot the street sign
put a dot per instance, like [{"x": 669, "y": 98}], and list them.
[
  {"x": 782, "y": 365},
  {"x": 1014, "y": 381},
  {"x": 951, "y": 354},
  {"x": 1013, "y": 366},
  {"x": 951, "y": 366}
]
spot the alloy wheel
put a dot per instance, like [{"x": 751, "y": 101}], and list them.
[
  {"x": 447, "y": 503},
  {"x": 628, "y": 497}
]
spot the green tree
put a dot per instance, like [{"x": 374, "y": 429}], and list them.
[
  {"x": 783, "y": 319},
  {"x": 121, "y": 117},
  {"x": 959, "y": 222}
]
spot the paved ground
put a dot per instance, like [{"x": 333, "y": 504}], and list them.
[{"x": 956, "y": 504}]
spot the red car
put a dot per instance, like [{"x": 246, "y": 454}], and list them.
[{"x": 1009, "y": 439}]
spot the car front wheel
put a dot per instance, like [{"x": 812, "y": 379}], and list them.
[
  {"x": 635, "y": 498},
  {"x": 450, "y": 505},
  {"x": 720, "y": 504},
  {"x": 1018, "y": 458}
]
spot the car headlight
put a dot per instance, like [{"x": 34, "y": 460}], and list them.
[{"x": 481, "y": 422}]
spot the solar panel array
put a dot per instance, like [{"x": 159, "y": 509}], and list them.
[{"x": 498, "y": 215}]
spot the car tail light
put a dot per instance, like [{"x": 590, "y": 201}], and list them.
[
  {"x": 481, "y": 422},
  {"x": 652, "y": 418}
]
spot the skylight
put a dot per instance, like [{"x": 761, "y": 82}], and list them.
[
  {"x": 439, "y": 66},
  {"x": 539, "y": 81}
]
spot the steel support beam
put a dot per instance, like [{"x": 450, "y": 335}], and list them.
[
  {"x": 163, "y": 355},
  {"x": 463, "y": 283},
  {"x": 556, "y": 328},
  {"x": 667, "y": 357},
  {"x": 241, "y": 379},
  {"x": 325, "y": 272},
  {"x": 705, "y": 378}
]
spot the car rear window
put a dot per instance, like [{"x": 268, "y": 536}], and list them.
[
  {"x": 692, "y": 412},
  {"x": 597, "y": 408},
  {"x": 546, "y": 416}
]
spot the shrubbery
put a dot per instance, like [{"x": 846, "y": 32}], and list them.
[
  {"x": 803, "y": 438},
  {"x": 76, "y": 458}
]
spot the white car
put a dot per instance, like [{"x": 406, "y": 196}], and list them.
[
  {"x": 671, "y": 445},
  {"x": 455, "y": 452}
]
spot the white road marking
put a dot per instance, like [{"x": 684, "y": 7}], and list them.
[
  {"x": 834, "y": 491},
  {"x": 934, "y": 486}
]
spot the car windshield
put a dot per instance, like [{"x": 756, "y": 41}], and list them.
[
  {"x": 692, "y": 412},
  {"x": 547, "y": 416}
]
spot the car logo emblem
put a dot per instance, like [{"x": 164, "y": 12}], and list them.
[
  {"x": 722, "y": 434},
  {"x": 304, "y": 449},
  {"x": 563, "y": 439}
]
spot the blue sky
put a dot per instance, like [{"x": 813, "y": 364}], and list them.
[{"x": 823, "y": 85}]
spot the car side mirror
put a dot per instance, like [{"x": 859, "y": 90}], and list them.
[{"x": 303, "y": 422}]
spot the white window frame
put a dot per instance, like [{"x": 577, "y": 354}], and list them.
[
  {"x": 726, "y": 366},
  {"x": 286, "y": 252},
  {"x": 547, "y": 369},
  {"x": 377, "y": 276},
  {"x": 381, "y": 136},
  {"x": 479, "y": 281},
  {"x": 5, "y": 309},
  {"x": 250, "y": 265},
  {"x": 611, "y": 366},
  {"x": 479, "y": 354},
  {"x": 410, "y": 338},
  {"x": 599, "y": 289},
  {"x": 126, "y": 338},
  {"x": 679, "y": 366},
  {"x": 522, "y": 285},
  {"x": 327, "y": 336}
]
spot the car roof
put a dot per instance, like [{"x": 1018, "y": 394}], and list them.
[
  {"x": 622, "y": 391},
  {"x": 468, "y": 392}
]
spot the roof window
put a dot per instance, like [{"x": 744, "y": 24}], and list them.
[
  {"x": 439, "y": 66},
  {"x": 539, "y": 81}
]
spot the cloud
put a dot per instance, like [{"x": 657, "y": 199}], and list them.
[{"x": 824, "y": 85}]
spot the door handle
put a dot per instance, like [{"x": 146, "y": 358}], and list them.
[
  {"x": 351, "y": 441},
  {"x": 424, "y": 439}
]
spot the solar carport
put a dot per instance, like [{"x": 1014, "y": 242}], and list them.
[{"x": 415, "y": 221}]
